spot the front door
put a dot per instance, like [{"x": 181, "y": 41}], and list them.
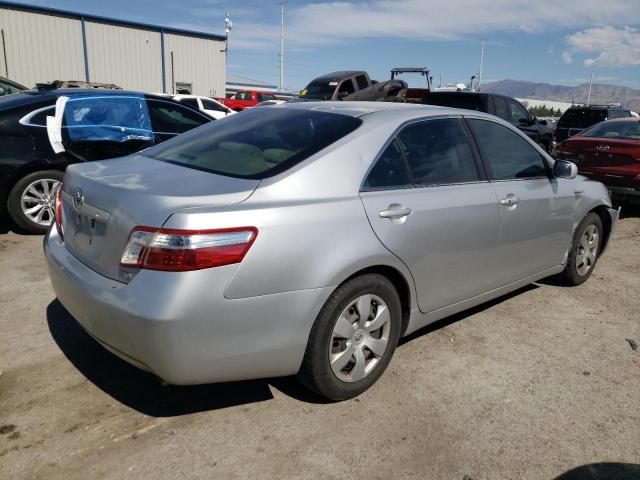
[
  {"x": 536, "y": 210},
  {"x": 430, "y": 205}
]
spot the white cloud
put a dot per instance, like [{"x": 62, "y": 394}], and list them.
[
  {"x": 333, "y": 22},
  {"x": 613, "y": 47},
  {"x": 566, "y": 57}
]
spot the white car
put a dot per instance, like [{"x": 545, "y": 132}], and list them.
[{"x": 209, "y": 106}]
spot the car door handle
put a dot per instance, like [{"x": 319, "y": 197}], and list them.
[
  {"x": 509, "y": 201},
  {"x": 395, "y": 211}
]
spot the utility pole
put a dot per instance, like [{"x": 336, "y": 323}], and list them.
[
  {"x": 481, "y": 65},
  {"x": 281, "y": 46},
  {"x": 590, "y": 83}
]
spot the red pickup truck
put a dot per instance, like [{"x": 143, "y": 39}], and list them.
[{"x": 246, "y": 99}]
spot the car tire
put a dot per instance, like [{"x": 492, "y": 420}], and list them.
[
  {"x": 586, "y": 246},
  {"x": 345, "y": 354},
  {"x": 31, "y": 191}
]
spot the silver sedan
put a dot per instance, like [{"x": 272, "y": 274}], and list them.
[{"x": 307, "y": 238}]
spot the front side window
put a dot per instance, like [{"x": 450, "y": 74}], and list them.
[
  {"x": 265, "y": 96},
  {"x": 438, "y": 152},
  {"x": 168, "y": 117},
  {"x": 389, "y": 171},
  {"x": 361, "y": 80},
  {"x": 256, "y": 143},
  {"x": 346, "y": 88},
  {"x": 506, "y": 153},
  {"x": 518, "y": 112}
]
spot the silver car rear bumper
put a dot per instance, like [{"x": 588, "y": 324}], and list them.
[{"x": 179, "y": 325}]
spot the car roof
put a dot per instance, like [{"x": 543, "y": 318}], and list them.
[
  {"x": 594, "y": 107},
  {"x": 623, "y": 120},
  {"x": 359, "y": 109},
  {"x": 27, "y": 97},
  {"x": 335, "y": 76}
]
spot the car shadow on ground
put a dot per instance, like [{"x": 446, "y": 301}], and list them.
[
  {"x": 465, "y": 314},
  {"x": 145, "y": 393},
  {"x": 629, "y": 211},
  {"x": 603, "y": 471},
  {"x": 7, "y": 226},
  {"x": 137, "y": 389}
]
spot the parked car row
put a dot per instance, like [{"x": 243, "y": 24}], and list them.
[{"x": 92, "y": 125}]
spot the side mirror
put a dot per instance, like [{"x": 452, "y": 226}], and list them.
[
  {"x": 565, "y": 169},
  {"x": 526, "y": 121},
  {"x": 342, "y": 95}
]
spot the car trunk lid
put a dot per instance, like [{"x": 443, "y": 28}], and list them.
[
  {"x": 103, "y": 201},
  {"x": 614, "y": 162}
]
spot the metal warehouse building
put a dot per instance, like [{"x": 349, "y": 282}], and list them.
[{"x": 43, "y": 44}]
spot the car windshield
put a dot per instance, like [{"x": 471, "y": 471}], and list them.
[
  {"x": 582, "y": 117},
  {"x": 615, "y": 130},
  {"x": 319, "y": 90},
  {"x": 256, "y": 143},
  {"x": 455, "y": 100}
]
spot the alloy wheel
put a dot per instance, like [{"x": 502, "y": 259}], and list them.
[
  {"x": 359, "y": 338},
  {"x": 38, "y": 201}
]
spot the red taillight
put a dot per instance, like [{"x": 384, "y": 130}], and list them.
[
  {"x": 58, "y": 210},
  {"x": 183, "y": 250}
]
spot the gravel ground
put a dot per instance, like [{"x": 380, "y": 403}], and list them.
[{"x": 539, "y": 384}]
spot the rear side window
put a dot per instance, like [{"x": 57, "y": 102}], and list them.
[
  {"x": 507, "y": 154},
  {"x": 190, "y": 102},
  {"x": 438, "y": 153},
  {"x": 582, "y": 117},
  {"x": 500, "y": 105},
  {"x": 456, "y": 100},
  {"x": 390, "y": 170},
  {"x": 256, "y": 143}
]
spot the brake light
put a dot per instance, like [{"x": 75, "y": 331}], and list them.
[
  {"x": 58, "y": 211},
  {"x": 184, "y": 250}
]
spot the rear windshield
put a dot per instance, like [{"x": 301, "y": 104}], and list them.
[
  {"x": 627, "y": 130},
  {"x": 256, "y": 143},
  {"x": 455, "y": 100},
  {"x": 582, "y": 117}
]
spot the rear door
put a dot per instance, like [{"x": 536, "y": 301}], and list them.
[
  {"x": 430, "y": 204},
  {"x": 536, "y": 210}
]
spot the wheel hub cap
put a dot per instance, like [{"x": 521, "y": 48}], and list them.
[{"x": 359, "y": 338}]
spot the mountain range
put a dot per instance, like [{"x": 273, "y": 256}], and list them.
[{"x": 600, "y": 93}]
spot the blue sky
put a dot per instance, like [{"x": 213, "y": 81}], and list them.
[{"x": 536, "y": 40}]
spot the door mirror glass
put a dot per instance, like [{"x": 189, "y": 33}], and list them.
[{"x": 565, "y": 169}]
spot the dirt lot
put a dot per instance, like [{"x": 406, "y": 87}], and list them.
[{"x": 531, "y": 386}]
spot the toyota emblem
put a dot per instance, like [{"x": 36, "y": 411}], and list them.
[{"x": 78, "y": 198}]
